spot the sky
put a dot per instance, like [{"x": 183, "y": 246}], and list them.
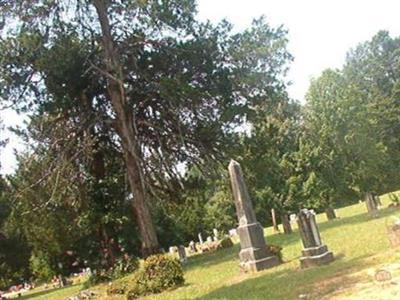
[{"x": 320, "y": 34}]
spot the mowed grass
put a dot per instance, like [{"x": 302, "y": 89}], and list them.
[{"x": 357, "y": 240}]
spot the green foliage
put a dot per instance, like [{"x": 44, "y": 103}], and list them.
[
  {"x": 267, "y": 157},
  {"x": 158, "y": 273},
  {"x": 124, "y": 266},
  {"x": 97, "y": 277},
  {"x": 41, "y": 267},
  {"x": 220, "y": 210},
  {"x": 161, "y": 272},
  {"x": 182, "y": 99},
  {"x": 225, "y": 242},
  {"x": 121, "y": 286},
  {"x": 275, "y": 250},
  {"x": 137, "y": 289}
]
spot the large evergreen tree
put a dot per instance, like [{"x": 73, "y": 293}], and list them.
[{"x": 164, "y": 88}]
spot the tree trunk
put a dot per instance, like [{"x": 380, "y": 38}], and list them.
[
  {"x": 330, "y": 213},
  {"x": 127, "y": 133},
  {"x": 287, "y": 227},
  {"x": 274, "y": 222}
]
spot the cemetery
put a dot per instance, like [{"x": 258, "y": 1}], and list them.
[{"x": 216, "y": 275}]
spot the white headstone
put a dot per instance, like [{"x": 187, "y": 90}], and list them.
[
  {"x": 233, "y": 232},
  {"x": 215, "y": 232},
  {"x": 200, "y": 239}
]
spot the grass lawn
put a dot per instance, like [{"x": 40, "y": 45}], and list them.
[{"x": 359, "y": 243}]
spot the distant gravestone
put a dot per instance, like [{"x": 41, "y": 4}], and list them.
[
  {"x": 274, "y": 222},
  {"x": 216, "y": 234},
  {"x": 232, "y": 232},
  {"x": 200, "y": 239},
  {"x": 292, "y": 218},
  {"x": 173, "y": 250},
  {"x": 253, "y": 255},
  {"x": 192, "y": 247},
  {"x": 372, "y": 205},
  {"x": 315, "y": 253},
  {"x": 182, "y": 253},
  {"x": 209, "y": 239}
]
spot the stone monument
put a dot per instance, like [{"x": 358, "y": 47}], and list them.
[
  {"x": 182, "y": 253},
  {"x": 274, "y": 223},
  {"x": 200, "y": 239},
  {"x": 315, "y": 253},
  {"x": 192, "y": 247},
  {"x": 216, "y": 234},
  {"x": 253, "y": 255},
  {"x": 372, "y": 204}
]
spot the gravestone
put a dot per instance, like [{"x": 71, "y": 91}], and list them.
[
  {"x": 209, "y": 239},
  {"x": 377, "y": 200},
  {"x": 173, "y": 250},
  {"x": 216, "y": 234},
  {"x": 192, "y": 247},
  {"x": 372, "y": 205},
  {"x": 315, "y": 253},
  {"x": 182, "y": 253},
  {"x": 253, "y": 255},
  {"x": 200, "y": 239},
  {"x": 292, "y": 219},
  {"x": 232, "y": 232},
  {"x": 274, "y": 223}
]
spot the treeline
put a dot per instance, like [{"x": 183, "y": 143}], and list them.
[{"x": 135, "y": 109}]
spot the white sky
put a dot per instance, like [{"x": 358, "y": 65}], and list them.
[{"x": 320, "y": 34}]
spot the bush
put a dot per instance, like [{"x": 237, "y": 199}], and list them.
[
  {"x": 275, "y": 250},
  {"x": 98, "y": 276},
  {"x": 159, "y": 273},
  {"x": 124, "y": 266},
  {"x": 41, "y": 266},
  {"x": 121, "y": 286},
  {"x": 226, "y": 242}
]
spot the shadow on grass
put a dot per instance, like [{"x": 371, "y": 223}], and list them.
[
  {"x": 44, "y": 292},
  {"x": 289, "y": 284},
  {"x": 208, "y": 259}
]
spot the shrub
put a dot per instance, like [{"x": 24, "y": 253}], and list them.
[
  {"x": 98, "y": 276},
  {"x": 162, "y": 271},
  {"x": 275, "y": 250},
  {"x": 226, "y": 242},
  {"x": 124, "y": 266},
  {"x": 121, "y": 286},
  {"x": 41, "y": 266},
  {"x": 159, "y": 273}
]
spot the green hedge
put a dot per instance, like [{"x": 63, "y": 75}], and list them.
[{"x": 158, "y": 273}]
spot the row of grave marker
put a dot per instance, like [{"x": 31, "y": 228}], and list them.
[{"x": 254, "y": 254}]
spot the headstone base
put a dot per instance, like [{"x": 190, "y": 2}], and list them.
[
  {"x": 259, "y": 264},
  {"x": 254, "y": 255},
  {"x": 316, "y": 256}
]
